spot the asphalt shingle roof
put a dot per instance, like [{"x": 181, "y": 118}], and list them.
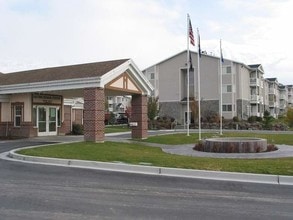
[{"x": 60, "y": 73}]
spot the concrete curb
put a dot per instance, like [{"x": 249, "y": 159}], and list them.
[{"x": 152, "y": 170}]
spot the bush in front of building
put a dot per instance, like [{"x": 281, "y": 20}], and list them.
[
  {"x": 77, "y": 129},
  {"x": 164, "y": 122}
]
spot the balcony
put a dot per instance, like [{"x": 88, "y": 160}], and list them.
[
  {"x": 256, "y": 99},
  {"x": 272, "y": 91},
  {"x": 253, "y": 113},
  {"x": 283, "y": 96},
  {"x": 283, "y": 106},
  {"x": 273, "y": 104},
  {"x": 254, "y": 81}
]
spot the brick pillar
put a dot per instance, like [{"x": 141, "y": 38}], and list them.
[
  {"x": 139, "y": 115},
  {"x": 94, "y": 115}
]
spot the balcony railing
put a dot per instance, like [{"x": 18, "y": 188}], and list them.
[
  {"x": 272, "y": 91},
  {"x": 256, "y": 99},
  {"x": 282, "y": 96},
  {"x": 283, "y": 106},
  {"x": 253, "y": 113},
  {"x": 273, "y": 104},
  {"x": 254, "y": 82}
]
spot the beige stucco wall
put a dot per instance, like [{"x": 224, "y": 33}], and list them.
[
  {"x": 27, "y": 100},
  {"x": 5, "y": 112}
]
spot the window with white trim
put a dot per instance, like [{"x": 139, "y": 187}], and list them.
[
  {"x": 152, "y": 75},
  {"x": 227, "y": 70},
  {"x": 227, "y": 108},
  {"x": 227, "y": 88},
  {"x": 17, "y": 115}
]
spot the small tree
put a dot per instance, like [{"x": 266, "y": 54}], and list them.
[
  {"x": 268, "y": 119},
  {"x": 290, "y": 116},
  {"x": 153, "y": 109}
]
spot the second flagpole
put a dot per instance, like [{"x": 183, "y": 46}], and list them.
[{"x": 188, "y": 65}]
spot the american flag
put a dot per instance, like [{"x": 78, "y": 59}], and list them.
[{"x": 191, "y": 33}]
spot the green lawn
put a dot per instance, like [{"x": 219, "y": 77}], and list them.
[
  {"x": 182, "y": 138},
  {"x": 137, "y": 153},
  {"x": 116, "y": 128}
]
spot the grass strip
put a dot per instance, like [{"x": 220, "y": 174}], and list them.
[
  {"x": 116, "y": 128},
  {"x": 137, "y": 153}
]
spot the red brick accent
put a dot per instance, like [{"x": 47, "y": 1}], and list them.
[
  {"x": 78, "y": 116},
  {"x": 66, "y": 124},
  {"x": 26, "y": 129},
  {"x": 94, "y": 115},
  {"x": 139, "y": 115}
]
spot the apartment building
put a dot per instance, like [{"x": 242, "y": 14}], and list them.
[
  {"x": 118, "y": 104},
  {"x": 274, "y": 96},
  {"x": 245, "y": 91},
  {"x": 290, "y": 95},
  {"x": 258, "y": 91}
]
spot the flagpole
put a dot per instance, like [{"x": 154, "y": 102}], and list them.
[
  {"x": 188, "y": 65},
  {"x": 198, "y": 86},
  {"x": 221, "y": 92}
]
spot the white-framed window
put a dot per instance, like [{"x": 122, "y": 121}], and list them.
[
  {"x": 152, "y": 75},
  {"x": 227, "y": 70},
  {"x": 227, "y": 108},
  {"x": 17, "y": 115},
  {"x": 227, "y": 88}
]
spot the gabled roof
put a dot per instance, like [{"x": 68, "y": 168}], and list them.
[
  {"x": 193, "y": 52},
  {"x": 73, "y": 77},
  {"x": 256, "y": 66},
  {"x": 61, "y": 73},
  {"x": 272, "y": 79}
]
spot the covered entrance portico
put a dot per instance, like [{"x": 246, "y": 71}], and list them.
[{"x": 35, "y": 99}]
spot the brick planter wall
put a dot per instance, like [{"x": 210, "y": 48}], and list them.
[
  {"x": 94, "y": 115},
  {"x": 139, "y": 115}
]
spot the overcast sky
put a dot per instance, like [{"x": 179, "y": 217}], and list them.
[{"x": 43, "y": 33}]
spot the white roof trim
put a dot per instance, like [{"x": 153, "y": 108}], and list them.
[
  {"x": 67, "y": 84},
  {"x": 133, "y": 71},
  {"x": 51, "y": 85}
]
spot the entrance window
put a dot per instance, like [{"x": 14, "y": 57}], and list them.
[{"x": 42, "y": 119}]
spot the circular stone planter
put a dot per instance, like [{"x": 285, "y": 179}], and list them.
[{"x": 234, "y": 145}]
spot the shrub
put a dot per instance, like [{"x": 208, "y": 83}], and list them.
[
  {"x": 77, "y": 129},
  {"x": 251, "y": 119}
]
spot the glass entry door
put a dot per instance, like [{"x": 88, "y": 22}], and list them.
[{"x": 47, "y": 120}]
